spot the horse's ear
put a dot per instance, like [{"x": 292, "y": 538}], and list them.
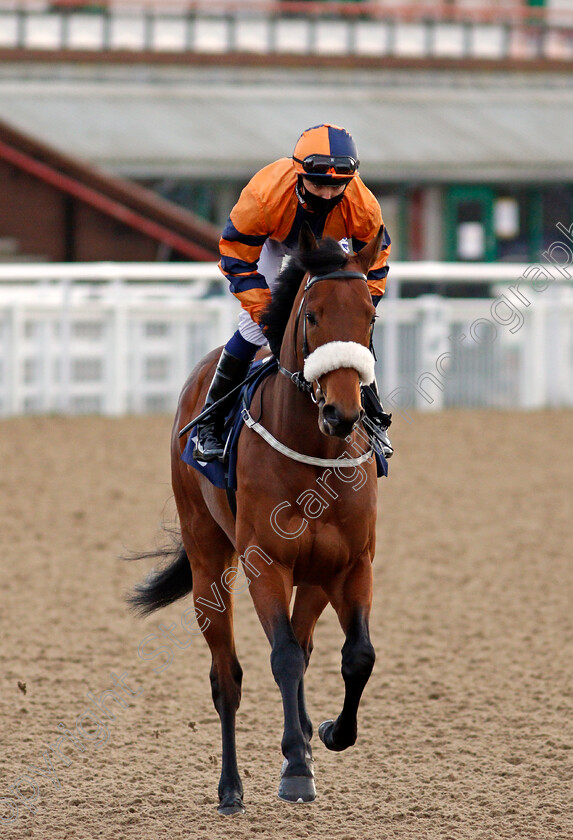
[
  {"x": 369, "y": 254},
  {"x": 306, "y": 239}
]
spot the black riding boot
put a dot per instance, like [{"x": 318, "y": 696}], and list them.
[
  {"x": 230, "y": 372},
  {"x": 376, "y": 420}
]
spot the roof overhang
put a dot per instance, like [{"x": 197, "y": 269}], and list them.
[{"x": 225, "y": 124}]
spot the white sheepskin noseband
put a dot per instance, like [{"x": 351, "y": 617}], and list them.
[{"x": 340, "y": 354}]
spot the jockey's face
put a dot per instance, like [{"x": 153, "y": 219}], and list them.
[{"x": 323, "y": 190}]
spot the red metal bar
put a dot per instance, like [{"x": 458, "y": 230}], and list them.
[{"x": 105, "y": 205}]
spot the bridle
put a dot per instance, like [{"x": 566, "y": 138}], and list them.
[
  {"x": 297, "y": 377},
  {"x": 303, "y": 384}
]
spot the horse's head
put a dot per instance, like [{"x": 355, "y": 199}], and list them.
[{"x": 332, "y": 323}]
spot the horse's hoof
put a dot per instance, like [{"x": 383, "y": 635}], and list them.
[
  {"x": 227, "y": 809},
  {"x": 297, "y": 789},
  {"x": 325, "y": 735}
]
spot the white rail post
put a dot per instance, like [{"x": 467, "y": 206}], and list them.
[
  {"x": 433, "y": 342},
  {"x": 14, "y": 401},
  {"x": 388, "y": 313},
  {"x": 557, "y": 367},
  {"x": 533, "y": 382},
  {"x": 65, "y": 367},
  {"x": 116, "y": 394}
]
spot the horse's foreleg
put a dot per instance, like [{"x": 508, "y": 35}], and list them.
[
  {"x": 353, "y": 607},
  {"x": 271, "y": 595},
  {"x": 309, "y": 604}
]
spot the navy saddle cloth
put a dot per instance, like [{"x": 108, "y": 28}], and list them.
[{"x": 224, "y": 474}]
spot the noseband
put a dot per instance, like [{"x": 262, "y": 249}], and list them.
[{"x": 298, "y": 377}]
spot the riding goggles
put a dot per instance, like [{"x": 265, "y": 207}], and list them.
[{"x": 325, "y": 164}]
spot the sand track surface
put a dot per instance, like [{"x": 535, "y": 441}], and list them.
[{"x": 466, "y": 726}]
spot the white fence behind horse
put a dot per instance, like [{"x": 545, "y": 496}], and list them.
[{"x": 122, "y": 338}]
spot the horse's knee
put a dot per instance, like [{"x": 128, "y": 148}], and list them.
[
  {"x": 358, "y": 660},
  {"x": 287, "y": 660}
]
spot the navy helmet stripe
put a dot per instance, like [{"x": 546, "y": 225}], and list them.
[{"x": 341, "y": 143}]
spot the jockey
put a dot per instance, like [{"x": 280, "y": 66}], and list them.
[{"x": 319, "y": 184}]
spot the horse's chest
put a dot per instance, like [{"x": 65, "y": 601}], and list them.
[
  {"x": 315, "y": 527},
  {"x": 323, "y": 541},
  {"x": 327, "y": 551}
]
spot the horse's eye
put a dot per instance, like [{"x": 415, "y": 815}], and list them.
[
  {"x": 311, "y": 318},
  {"x": 373, "y": 320}
]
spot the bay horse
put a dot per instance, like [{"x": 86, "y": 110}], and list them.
[{"x": 306, "y": 503}]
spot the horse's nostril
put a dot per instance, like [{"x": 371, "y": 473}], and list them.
[
  {"x": 330, "y": 414},
  {"x": 340, "y": 424}
]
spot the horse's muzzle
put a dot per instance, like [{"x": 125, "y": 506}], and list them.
[{"x": 335, "y": 422}]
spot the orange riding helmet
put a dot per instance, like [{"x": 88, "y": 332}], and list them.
[{"x": 326, "y": 154}]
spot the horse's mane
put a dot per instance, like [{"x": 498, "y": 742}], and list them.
[{"x": 328, "y": 256}]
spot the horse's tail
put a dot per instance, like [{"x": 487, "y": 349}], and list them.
[{"x": 165, "y": 585}]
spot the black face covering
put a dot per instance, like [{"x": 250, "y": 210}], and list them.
[{"x": 317, "y": 204}]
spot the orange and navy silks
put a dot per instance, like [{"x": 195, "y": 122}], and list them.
[{"x": 268, "y": 207}]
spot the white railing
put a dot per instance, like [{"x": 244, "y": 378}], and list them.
[
  {"x": 374, "y": 29},
  {"x": 122, "y": 338},
  {"x": 106, "y": 338}
]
